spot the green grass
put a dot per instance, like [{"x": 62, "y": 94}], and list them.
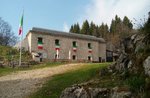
[
  {"x": 56, "y": 84},
  {"x": 5, "y": 71},
  {"x": 8, "y": 70}
]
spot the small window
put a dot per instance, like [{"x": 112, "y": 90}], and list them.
[
  {"x": 40, "y": 43},
  {"x": 89, "y": 46},
  {"x": 89, "y": 58},
  {"x": 40, "y": 40},
  {"x": 57, "y": 42},
  {"x": 74, "y": 44},
  {"x": 74, "y": 57}
]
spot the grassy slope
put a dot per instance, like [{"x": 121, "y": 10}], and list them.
[
  {"x": 54, "y": 87},
  {"x": 8, "y": 70}
]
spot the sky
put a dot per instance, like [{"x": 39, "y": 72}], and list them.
[{"x": 61, "y": 14}]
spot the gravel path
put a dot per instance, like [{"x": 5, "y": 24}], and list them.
[{"x": 23, "y": 83}]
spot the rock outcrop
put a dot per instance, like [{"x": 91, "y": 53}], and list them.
[
  {"x": 146, "y": 65},
  {"x": 132, "y": 60},
  {"x": 133, "y": 56},
  {"x": 79, "y": 91}
]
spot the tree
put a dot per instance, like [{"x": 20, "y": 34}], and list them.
[
  {"x": 112, "y": 26},
  {"x": 147, "y": 25},
  {"x": 7, "y": 37},
  {"x": 93, "y": 30},
  {"x": 75, "y": 28},
  {"x": 127, "y": 22},
  {"x": 147, "y": 31},
  {"x": 85, "y": 28},
  {"x": 71, "y": 29},
  {"x": 103, "y": 29}
]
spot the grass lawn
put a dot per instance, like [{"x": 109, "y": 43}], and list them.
[
  {"x": 56, "y": 84},
  {"x": 8, "y": 70}
]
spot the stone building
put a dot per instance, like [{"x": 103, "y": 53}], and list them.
[{"x": 46, "y": 44}]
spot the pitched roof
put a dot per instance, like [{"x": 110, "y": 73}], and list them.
[{"x": 65, "y": 34}]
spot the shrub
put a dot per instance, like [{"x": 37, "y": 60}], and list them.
[{"x": 136, "y": 83}]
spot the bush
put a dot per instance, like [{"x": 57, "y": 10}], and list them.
[{"x": 136, "y": 83}]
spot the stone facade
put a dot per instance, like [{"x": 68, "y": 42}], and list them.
[{"x": 65, "y": 50}]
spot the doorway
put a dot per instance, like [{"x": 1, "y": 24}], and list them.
[
  {"x": 89, "y": 58},
  {"x": 74, "y": 57},
  {"x": 100, "y": 59}
]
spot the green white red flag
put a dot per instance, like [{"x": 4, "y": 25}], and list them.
[
  {"x": 21, "y": 25},
  {"x": 40, "y": 45}
]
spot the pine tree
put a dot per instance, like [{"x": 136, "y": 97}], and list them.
[
  {"x": 112, "y": 27},
  {"x": 85, "y": 28},
  {"x": 92, "y": 27},
  {"x": 71, "y": 29},
  {"x": 75, "y": 28},
  {"x": 127, "y": 22},
  {"x": 147, "y": 31}
]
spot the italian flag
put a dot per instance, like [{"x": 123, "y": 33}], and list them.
[
  {"x": 74, "y": 49},
  {"x": 90, "y": 50},
  {"x": 40, "y": 45},
  {"x": 57, "y": 47},
  {"x": 21, "y": 25}
]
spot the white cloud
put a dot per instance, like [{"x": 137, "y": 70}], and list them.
[
  {"x": 100, "y": 11},
  {"x": 65, "y": 27}
]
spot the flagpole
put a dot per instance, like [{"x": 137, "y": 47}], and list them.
[
  {"x": 21, "y": 40},
  {"x": 20, "y": 50}
]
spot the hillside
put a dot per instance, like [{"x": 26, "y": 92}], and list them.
[{"x": 9, "y": 55}]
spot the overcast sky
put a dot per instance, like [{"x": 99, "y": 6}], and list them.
[{"x": 61, "y": 14}]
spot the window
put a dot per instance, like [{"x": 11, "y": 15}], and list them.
[
  {"x": 40, "y": 40},
  {"x": 74, "y": 44},
  {"x": 109, "y": 54},
  {"x": 74, "y": 57},
  {"x": 40, "y": 43},
  {"x": 89, "y": 58},
  {"x": 57, "y": 42},
  {"x": 89, "y": 46}
]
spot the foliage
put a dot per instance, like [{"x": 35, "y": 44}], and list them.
[
  {"x": 146, "y": 30},
  {"x": 94, "y": 30},
  {"x": 7, "y": 37},
  {"x": 75, "y": 28},
  {"x": 85, "y": 28},
  {"x": 10, "y": 56},
  {"x": 136, "y": 83},
  {"x": 119, "y": 29},
  {"x": 147, "y": 25}
]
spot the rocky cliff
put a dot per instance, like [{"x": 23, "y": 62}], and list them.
[{"x": 133, "y": 67}]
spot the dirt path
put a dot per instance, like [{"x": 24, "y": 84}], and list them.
[{"x": 23, "y": 83}]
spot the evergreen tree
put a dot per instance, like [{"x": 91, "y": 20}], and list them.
[
  {"x": 117, "y": 20},
  {"x": 147, "y": 31},
  {"x": 75, "y": 28},
  {"x": 112, "y": 27},
  {"x": 147, "y": 25},
  {"x": 103, "y": 29},
  {"x": 71, "y": 29},
  {"x": 92, "y": 29},
  {"x": 127, "y": 22},
  {"x": 85, "y": 28}
]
